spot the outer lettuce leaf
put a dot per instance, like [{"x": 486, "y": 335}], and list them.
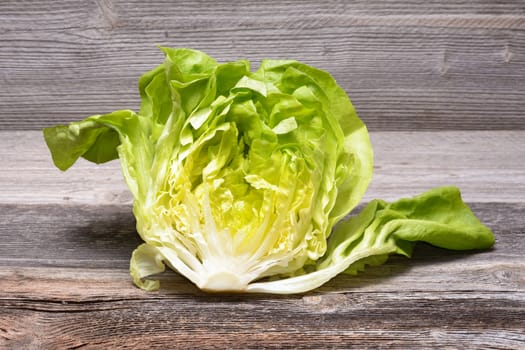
[
  {"x": 238, "y": 176},
  {"x": 438, "y": 217},
  {"x": 87, "y": 138}
]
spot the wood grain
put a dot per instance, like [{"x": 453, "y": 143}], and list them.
[
  {"x": 406, "y": 66},
  {"x": 78, "y": 239},
  {"x": 488, "y": 166},
  {"x": 439, "y": 84},
  {"x": 438, "y": 297},
  {"x": 365, "y": 320},
  {"x": 65, "y": 284}
]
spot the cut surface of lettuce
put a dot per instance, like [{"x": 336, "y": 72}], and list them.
[{"x": 240, "y": 177}]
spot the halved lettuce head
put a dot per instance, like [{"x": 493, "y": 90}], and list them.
[{"x": 239, "y": 177}]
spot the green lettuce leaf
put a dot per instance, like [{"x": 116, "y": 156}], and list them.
[
  {"x": 239, "y": 177},
  {"x": 438, "y": 217}
]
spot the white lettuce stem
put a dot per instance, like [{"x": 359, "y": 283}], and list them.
[{"x": 312, "y": 280}]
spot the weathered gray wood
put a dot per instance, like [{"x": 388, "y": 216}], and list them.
[
  {"x": 361, "y": 320},
  {"x": 64, "y": 279},
  {"x": 64, "y": 282},
  {"x": 406, "y": 65},
  {"x": 79, "y": 236},
  {"x": 486, "y": 166},
  {"x": 75, "y": 239},
  {"x": 66, "y": 238}
]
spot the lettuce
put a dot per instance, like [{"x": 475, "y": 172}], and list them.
[{"x": 239, "y": 178}]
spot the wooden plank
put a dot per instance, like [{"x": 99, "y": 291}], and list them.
[
  {"x": 417, "y": 306},
  {"x": 73, "y": 253},
  {"x": 73, "y": 236},
  {"x": 405, "y": 65},
  {"x": 64, "y": 280},
  {"x": 362, "y": 320},
  {"x": 45, "y": 248},
  {"x": 486, "y": 166}
]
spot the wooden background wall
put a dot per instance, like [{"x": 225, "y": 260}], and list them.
[
  {"x": 423, "y": 75},
  {"x": 407, "y": 65}
]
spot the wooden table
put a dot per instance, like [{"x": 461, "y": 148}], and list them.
[{"x": 442, "y": 89}]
